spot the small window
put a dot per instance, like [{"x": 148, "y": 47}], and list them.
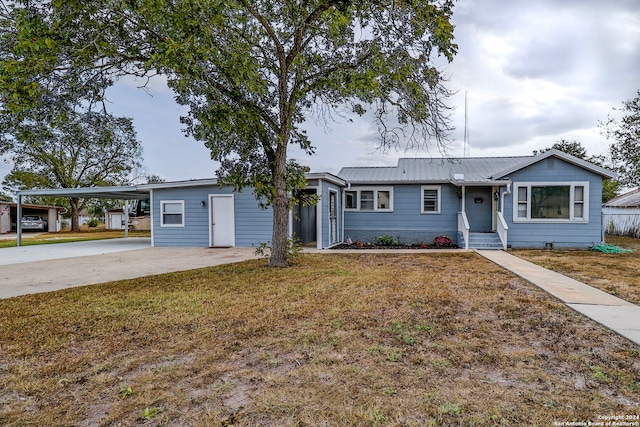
[
  {"x": 366, "y": 200},
  {"x": 578, "y": 202},
  {"x": 522, "y": 202},
  {"x": 351, "y": 199},
  {"x": 172, "y": 213},
  {"x": 431, "y": 199},
  {"x": 384, "y": 197}
]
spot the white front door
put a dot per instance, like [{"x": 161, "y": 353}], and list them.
[{"x": 223, "y": 228}]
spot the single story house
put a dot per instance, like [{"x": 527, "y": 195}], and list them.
[
  {"x": 621, "y": 215},
  {"x": 550, "y": 200}
]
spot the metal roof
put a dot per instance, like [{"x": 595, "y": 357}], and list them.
[
  {"x": 425, "y": 170},
  {"x": 627, "y": 200},
  {"x": 467, "y": 171},
  {"x": 116, "y": 192}
]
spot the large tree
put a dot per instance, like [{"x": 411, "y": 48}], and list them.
[
  {"x": 83, "y": 149},
  {"x": 625, "y": 148},
  {"x": 251, "y": 72}
]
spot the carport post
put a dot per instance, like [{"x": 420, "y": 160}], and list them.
[
  {"x": 19, "y": 222},
  {"x": 126, "y": 218}
]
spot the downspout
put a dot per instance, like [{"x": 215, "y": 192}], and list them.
[
  {"x": 504, "y": 193},
  {"x": 151, "y": 219}
]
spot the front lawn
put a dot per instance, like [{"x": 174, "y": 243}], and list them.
[
  {"x": 68, "y": 236},
  {"x": 336, "y": 340},
  {"x": 616, "y": 274}
]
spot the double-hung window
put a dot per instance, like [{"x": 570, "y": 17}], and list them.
[
  {"x": 431, "y": 199},
  {"x": 172, "y": 213},
  {"x": 551, "y": 202},
  {"x": 369, "y": 199}
]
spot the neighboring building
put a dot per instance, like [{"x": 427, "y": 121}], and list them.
[
  {"x": 115, "y": 219},
  {"x": 621, "y": 215},
  {"x": 52, "y": 215},
  {"x": 548, "y": 200}
]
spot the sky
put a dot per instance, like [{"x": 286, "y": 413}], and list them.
[{"x": 534, "y": 72}]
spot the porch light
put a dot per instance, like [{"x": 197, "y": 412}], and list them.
[{"x": 203, "y": 203}]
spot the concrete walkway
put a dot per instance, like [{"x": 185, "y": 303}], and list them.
[{"x": 614, "y": 313}]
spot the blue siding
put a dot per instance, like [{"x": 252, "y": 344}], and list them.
[
  {"x": 562, "y": 235},
  {"x": 406, "y": 221},
  {"x": 253, "y": 225}
]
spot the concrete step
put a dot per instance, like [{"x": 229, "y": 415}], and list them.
[{"x": 484, "y": 241}]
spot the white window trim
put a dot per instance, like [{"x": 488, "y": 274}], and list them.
[
  {"x": 375, "y": 190},
  {"x": 438, "y": 188},
  {"x": 571, "y": 184},
  {"x": 164, "y": 202}
]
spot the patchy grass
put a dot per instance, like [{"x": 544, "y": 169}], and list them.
[
  {"x": 68, "y": 236},
  {"x": 617, "y": 274},
  {"x": 361, "y": 340}
]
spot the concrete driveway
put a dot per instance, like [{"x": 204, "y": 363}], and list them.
[{"x": 44, "y": 268}]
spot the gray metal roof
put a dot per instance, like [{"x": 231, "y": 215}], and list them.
[
  {"x": 119, "y": 193},
  {"x": 425, "y": 170},
  {"x": 627, "y": 200},
  {"x": 471, "y": 170}
]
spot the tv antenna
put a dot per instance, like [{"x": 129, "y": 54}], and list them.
[{"x": 466, "y": 146}]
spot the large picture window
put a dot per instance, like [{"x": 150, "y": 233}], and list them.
[
  {"x": 172, "y": 213},
  {"x": 553, "y": 202},
  {"x": 369, "y": 199}
]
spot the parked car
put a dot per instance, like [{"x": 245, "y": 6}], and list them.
[{"x": 33, "y": 222}]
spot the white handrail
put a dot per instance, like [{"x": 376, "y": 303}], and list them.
[
  {"x": 463, "y": 227},
  {"x": 503, "y": 230}
]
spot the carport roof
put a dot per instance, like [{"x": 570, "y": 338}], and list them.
[{"x": 116, "y": 192}]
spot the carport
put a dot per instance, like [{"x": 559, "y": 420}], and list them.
[{"x": 127, "y": 193}]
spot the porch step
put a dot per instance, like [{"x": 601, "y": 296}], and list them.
[{"x": 484, "y": 241}]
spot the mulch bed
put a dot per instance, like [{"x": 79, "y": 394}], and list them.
[{"x": 365, "y": 246}]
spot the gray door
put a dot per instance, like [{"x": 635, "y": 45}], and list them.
[{"x": 479, "y": 208}]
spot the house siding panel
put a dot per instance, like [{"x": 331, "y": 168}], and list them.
[
  {"x": 406, "y": 221},
  {"x": 252, "y": 224},
  {"x": 561, "y": 235}
]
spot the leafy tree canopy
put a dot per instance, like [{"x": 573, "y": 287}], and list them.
[
  {"x": 610, "y": 187},
  {"x": 68, "y": 148},
  {"x": 251, "y": 72},
  {"x": 625, "y": 148}
]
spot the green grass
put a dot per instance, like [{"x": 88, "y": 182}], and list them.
[
  {"x": 67, "y": 237},
  {"x": 245, "y": 345}
]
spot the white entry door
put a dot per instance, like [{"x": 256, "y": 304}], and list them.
[{"x": 222, "y": 224}]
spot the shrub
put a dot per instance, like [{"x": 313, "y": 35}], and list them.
[
  {"x": 93, "y": 222},
  {"x": 442, "y": 241},
  {"x": 387, "y": 240}
]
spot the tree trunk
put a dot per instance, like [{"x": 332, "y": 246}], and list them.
[
  {"x": 75, "y": 225},
  {"x": 280, "y": 211}
]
